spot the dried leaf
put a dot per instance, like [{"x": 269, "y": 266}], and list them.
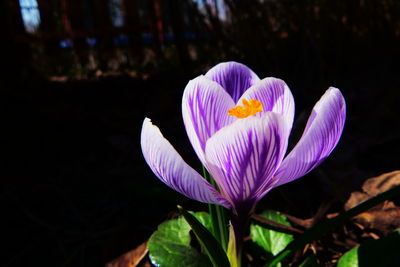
[
  {"x": 384, "y": 217},
  {"x": 131, "y": 258},
  {"x": 382, "y": 183}
]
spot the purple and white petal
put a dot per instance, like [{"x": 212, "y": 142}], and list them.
[
  {"x": 275, "y": 96},
  {"x": 322, "y": 133},
  {"x": 234, "y": 77},
  {"x": 243, "y": 156},
  {"x": 171, "y": 169},
  {"x": 205, "y": 106}
]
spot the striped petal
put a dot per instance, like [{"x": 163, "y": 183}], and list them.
[
  {"x": 320, "y": 137},
  {"x": 275, "y": 96},
  {"x": 205, "y": 106},
  {"x": 171, "y": 169},
  {"x": 244, "y": 156},
  {"x": 234, "y": 77}
]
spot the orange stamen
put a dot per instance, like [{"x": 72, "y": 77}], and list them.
[{"x": 249, "y": 108}]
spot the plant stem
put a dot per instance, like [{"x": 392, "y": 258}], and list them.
[
  {"x": 239, "y": 218},
  {"x": 239, "y": 224}
]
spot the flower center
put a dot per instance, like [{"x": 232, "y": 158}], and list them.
[{"x": 249, "y": 108}]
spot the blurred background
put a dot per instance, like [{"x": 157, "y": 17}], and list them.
[{"x": 79, "y": 76}]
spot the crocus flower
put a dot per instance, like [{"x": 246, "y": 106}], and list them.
[{"x": 239, "y": 127}]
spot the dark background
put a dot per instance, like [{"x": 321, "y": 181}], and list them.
[{"x": 75, "y": 189}]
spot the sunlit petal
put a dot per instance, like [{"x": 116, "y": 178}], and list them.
[
  {"x": 244, "y": 156},
  {"x": 320, "y": 137},
  {"x": 205, "y": 106},
  {"x": 275, "y": 95},
  {"x": 171, "y": 169}
]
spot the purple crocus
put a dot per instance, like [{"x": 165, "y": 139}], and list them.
[{"x": 239, "y": 127}]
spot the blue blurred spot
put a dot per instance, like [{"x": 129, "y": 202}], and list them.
[
  {"x": 66, "y": 43},
  {"x": 147, "y": 38},
  {"x": 169, "y": 37},
  {"x": 190, "y": 36},
  {"x": 91, "y": 41},
  {"x": 121, "y": 40}
]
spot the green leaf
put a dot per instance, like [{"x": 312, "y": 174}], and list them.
[
  {"x": 169, "y": 246},
  {"x": 202, "y": 217},
  {"x": 212, "y": 247},
  {"x": 271, "y": 241},
  {"x": 350, "y": 258},
  {"x": 310, "y": 261},
  {"x": 382, "y": 252}
]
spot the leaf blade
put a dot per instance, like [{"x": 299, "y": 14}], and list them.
[
  {"x": 271, "y": 241},
  {"x": 210, "y": 244},
  {"x": 169, "y": 246}
]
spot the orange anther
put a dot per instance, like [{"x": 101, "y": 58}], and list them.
[{"x": 249, "y": 108}]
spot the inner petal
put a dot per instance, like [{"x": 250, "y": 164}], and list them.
[
  {"x": 234, "y": 77},
  {"x": 249, "y": 108}
]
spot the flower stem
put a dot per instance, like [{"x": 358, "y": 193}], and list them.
[
  {"x": 218, "y": 216},
  {"x": 238, "y": 227},
  {"x": 239, "y": 219}
]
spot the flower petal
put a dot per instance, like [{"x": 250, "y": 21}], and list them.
[
  {"x": 275, "y": 96},
  {"x": 234, "y": 77},
  {"x": 244, "y": 156},
  {"x": 320, "y": 137},
  {"x": 205, "y": 106},
  {"x": 171, "y": 169}
]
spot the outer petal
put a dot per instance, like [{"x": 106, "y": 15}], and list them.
[
  {"x": 244, "y": 156},
  {"x": 320, "y": 137},
  {"x": 275, "y": 96},
  {"x": 205, "y": 106},
  {"x": 170, "y": 168},
  {"x": 234, "y": 77}
]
